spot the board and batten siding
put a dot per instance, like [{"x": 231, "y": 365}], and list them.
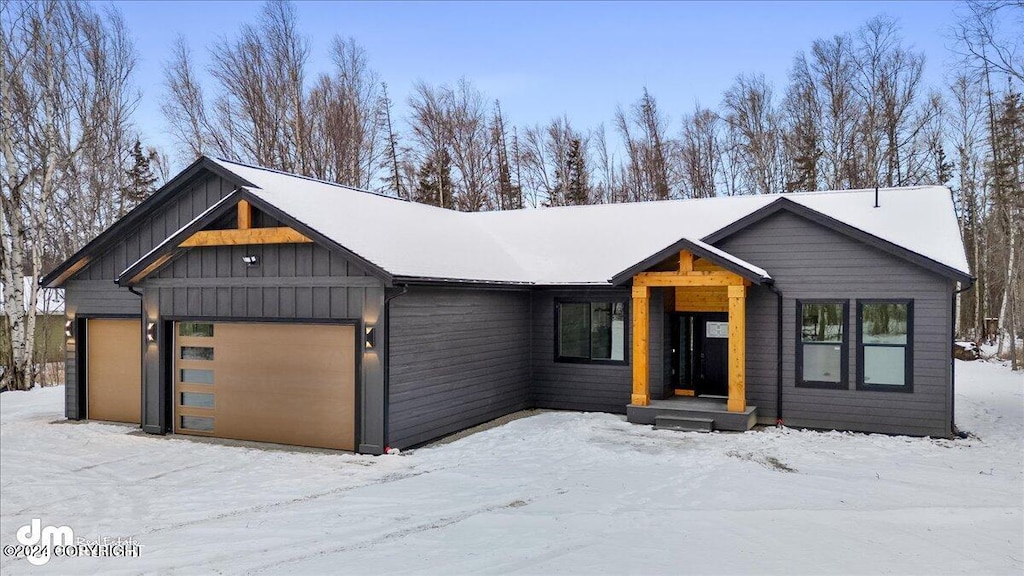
[
  {"x": 458, "y": 357},
  {"x": 92, "y": 292},
  {"x": 592, "y": 387},
  {"x": 808, "y": 260}
]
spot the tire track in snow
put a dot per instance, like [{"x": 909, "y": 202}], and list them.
[
  {"x": 388, "y": 478},
  {"x": 435, "y": 524}
]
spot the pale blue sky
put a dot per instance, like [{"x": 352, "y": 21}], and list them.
[{"x": 546, "y": 59}]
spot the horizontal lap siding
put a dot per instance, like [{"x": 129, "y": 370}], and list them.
[
  {"x": 458, "y": 358},
  {"x": 589, "y": 387},
  {"x": 809, "y": 261}
]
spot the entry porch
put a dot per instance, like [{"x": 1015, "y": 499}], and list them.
[{"x": 704, "y": 292}]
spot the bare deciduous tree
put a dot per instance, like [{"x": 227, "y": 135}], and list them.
[{"x": 65, "y": 104}]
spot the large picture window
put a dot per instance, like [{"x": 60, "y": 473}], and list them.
[
  {"x": 821, "y": 347},
  {"x": 590, "y": 331},
  {"x": 884, "y": 345}
]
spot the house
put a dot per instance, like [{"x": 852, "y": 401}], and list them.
[{"x": 242, "y": 302}]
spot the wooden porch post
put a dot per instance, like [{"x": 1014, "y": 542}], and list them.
[
  {"x": 737, "y": 349},
  {"x": 641, "y": 337}
]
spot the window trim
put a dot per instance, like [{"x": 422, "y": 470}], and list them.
[
  {"x": 908, "y": 360},
  {"x": 596, "y": 300},
  {"x": 844, "y": 346}
]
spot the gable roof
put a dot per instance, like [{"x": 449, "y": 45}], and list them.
[
  {"x": 582, "y": 244},
  {"x": 755, "y": 274},
  {"x": 111, "y": 235}
]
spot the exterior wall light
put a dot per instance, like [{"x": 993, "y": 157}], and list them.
[
  {"x": 371, "y": 337},
  {"x": 69, "y": 329},
  {"x": 151, "y": 332},
  {"x": 251, "y": 260}
]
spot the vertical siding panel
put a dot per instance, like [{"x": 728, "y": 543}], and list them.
[
  {"x": 321, "y": 302},
  {"x": 254, "y": 302},
  {"x": 195, "y": 301},
  {"x": 271, "y": 300},
  {"x": 239, "y": 301},
  {"x": 286, "y": 302},
  {"x": 303, "y": 259},
  {"x": 339, "y": 302},
  {"x": 321, "y": 261},
  {"x": 209, "y": 299},
  {"x": 224, "y": 305},
  {"x": 356, "y": 298},
  {"x": 304, "y": 302}
]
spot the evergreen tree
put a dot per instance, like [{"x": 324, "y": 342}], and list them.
[
  {"x": 508, "y": 195},
  {"x": 139, "y": 177},
  {"x": 577, "y": 190},
  {"x": 434, "y": 182}
]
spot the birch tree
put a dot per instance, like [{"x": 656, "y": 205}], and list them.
[{"x": 64, "y": 97}]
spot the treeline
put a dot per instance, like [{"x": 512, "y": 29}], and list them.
[{"x": 854, "y": 112}]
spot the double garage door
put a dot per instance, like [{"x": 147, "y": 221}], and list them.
[{"x": 268, "y": 382}]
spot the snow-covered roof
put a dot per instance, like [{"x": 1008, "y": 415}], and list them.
[{"x": 579, "y": 244}]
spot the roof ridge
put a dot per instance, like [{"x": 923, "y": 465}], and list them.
[{"x": 310, "y": 178}]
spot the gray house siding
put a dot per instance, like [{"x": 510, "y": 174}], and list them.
[
  {"x": 92, "y": 292},
  {"x": 293, "y": 281},
  {"x": 299, "y": 282},
  {"x": 459, "y": 357},
  {"x": 590, "y": 387},
  {"x": 808, "y": 261}
]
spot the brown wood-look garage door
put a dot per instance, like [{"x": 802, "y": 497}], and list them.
[
  {"x": 114, "y": 369},
  {"x": 269, "y": 382}
]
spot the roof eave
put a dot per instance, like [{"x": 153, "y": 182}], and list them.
[{"x": 841, "y": 227}]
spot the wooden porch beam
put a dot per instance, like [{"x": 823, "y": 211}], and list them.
[
  {"x": 655, "y": 279},
  {"x": 737, "y": 349},
  {"x": 281, "y": 235},
  {"x": 244, "y": 215},
  {"x": 685, "y": 261},
  {"x": 641, "y": 336}
]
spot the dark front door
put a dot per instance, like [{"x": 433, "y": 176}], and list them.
[
  {"x": 714, "y": 355},
  {"x": 700, "y": 352}
]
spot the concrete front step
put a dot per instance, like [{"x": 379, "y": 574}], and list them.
[
  {"x": 684, "y": 424},
  {"x": 702, "y": 408}
]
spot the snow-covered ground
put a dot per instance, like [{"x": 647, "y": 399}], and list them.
[{"x": 554, "y": 493}]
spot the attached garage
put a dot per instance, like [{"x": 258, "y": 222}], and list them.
[
  {"x": 269, "y": 382},
  {"x": 114, "y": 369}
]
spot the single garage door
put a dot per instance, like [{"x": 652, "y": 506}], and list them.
[
  {"x": 113, "y": 369},
  {"x": 269, "y": 382}
]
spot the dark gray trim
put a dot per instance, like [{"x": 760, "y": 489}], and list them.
[
  {"x": 127, "y": 222},
  {"x": 788, "y": 205},
  {"x": 266, "y": 282},
  {"x": 908, "y": 359},
  {"x": 172, "y": 242},
  {"x": 844, "y": 357},
  {"x": 685, "y": 244},
  {"x": 625, "y": 331},
  {"x": 462, "y": 283}
]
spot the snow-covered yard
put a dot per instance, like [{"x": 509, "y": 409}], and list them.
[{"x": 554, "y": 493}]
